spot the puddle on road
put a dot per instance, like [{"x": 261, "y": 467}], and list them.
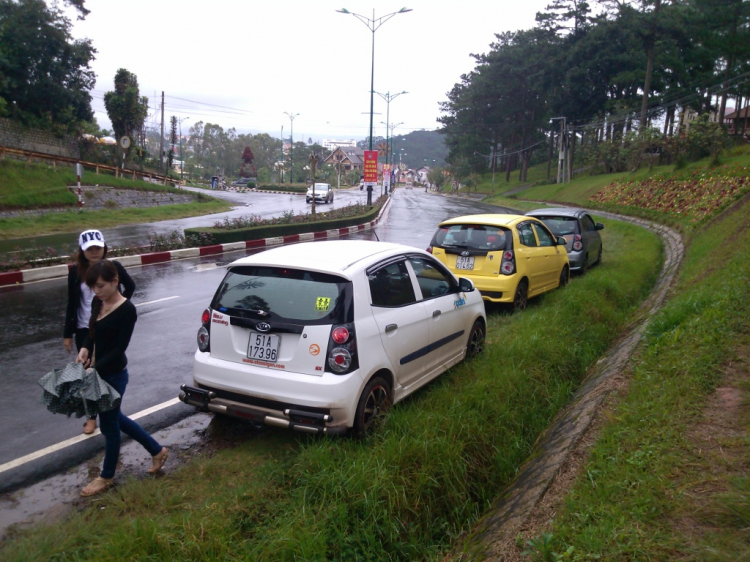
[{"x": 53, "y": 498}]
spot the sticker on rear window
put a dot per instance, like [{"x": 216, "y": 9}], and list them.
[{"x": 322, "y": 303}]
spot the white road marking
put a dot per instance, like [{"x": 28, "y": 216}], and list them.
[
  {"x": 158, "y": 300},
  {"x": 73, "y": 440}
]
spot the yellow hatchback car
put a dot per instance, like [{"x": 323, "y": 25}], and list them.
[{"x": 509, "y": 258}]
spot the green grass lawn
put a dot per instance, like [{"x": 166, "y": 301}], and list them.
[
  {"x": 406, "y": 492},
  {"x": 34, "y": 186},
  {"x": 648, "y": 491}
]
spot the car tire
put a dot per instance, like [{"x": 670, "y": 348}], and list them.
[
  {"x": 521, "y": 296},
  {"x": 585, "y": 265},
  {"x": 599, "y": 257},
  {"x": 307, "y": 200},
  {"x": 564, "y": 276},
  {"x": 475, "y": 345},
  {"x": 372, "y": 407}
]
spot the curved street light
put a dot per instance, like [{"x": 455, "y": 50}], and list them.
[
  {"x": 291, "y": 146},
  {"x": 388, "y": 97},
  {"x": 373, "y": 25}
]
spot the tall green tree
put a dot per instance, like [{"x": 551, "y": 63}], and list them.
[
  {"x": 45, "y": 75},
  {"x": 126, "y": 108}
]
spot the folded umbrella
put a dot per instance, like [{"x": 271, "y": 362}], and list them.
[{"x": 74, "y": 390}]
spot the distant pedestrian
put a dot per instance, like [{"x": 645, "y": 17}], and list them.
[
  {"x": 111, "y": 326},
  {"x": 91, "y": 249}
]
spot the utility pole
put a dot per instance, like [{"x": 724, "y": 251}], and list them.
[
  {"x": 282, "y": 156},
  {"x": 161, "y": 136},
  {"x": 561, "y": 145},
  {"x": 291, "y": 146}
]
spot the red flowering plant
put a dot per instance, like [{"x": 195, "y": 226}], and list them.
[{"x": 692, "y": 195}]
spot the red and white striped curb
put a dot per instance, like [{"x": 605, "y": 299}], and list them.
[{"x": 52, "y": 272}]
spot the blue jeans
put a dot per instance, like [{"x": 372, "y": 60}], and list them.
[{"x": 113, "y": 421}]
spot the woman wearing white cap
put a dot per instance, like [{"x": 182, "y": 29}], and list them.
[{"x": 91, "y": 249}]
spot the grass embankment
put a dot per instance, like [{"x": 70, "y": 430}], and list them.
[
  {"x": 653, "y": 489},
  {"x": 36, "y": 186},
  {"x": 403, "y": 494}
]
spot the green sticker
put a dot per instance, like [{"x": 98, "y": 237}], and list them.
[{"x": 322, "y": 303}]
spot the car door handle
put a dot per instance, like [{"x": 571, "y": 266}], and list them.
[
  {"x": 391, "y": 327},
  {"x": 436, "y": 313}
]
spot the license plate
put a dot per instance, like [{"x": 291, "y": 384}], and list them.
[
  {"x": 263, "y": 347},
  {"x": 464, "y": 262}
]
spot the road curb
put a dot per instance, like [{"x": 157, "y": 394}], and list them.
[{"x": 56, "y": 271}]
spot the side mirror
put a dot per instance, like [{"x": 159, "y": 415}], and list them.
[
  {"x": 561, "y": 241},
  {"x": 465, "y": 285},
  {"x": 599, "y": 226}
]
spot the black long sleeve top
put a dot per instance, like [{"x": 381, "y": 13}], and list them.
[
  {"x": 111, "y": 338},
  {"x": 70, "y": 327}
]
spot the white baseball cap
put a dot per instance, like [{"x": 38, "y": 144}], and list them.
[{"x": 90, "y": 238}]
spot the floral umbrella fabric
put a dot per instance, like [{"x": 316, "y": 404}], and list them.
[{"x": 73, "y": 391}]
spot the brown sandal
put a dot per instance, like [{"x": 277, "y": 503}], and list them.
[
  {"x": 158, "y": 460},
  {"x": 97, "y": 486},
  {"x": 90, "y": 426}
]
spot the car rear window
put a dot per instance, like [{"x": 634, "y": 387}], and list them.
[
  {"x": 290, "y": 295},
  {"x": 472, "y": 237},
  {"x": 560, "y": 226}
]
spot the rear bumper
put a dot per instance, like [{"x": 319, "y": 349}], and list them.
[
  {"x": 576, "y": 260},
  {"x": 317, "y": 404}
]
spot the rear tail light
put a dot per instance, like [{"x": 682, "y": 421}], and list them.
[
  {"x": 342, "y": 350},
  {"x": 508, "y": 266},
  {"x": 204, "y": 332},
  {"x": 429, "y": 249},
  {"x": 577, "y": 244},
  {"x": 339, "y": 360},
  {"x": 340, "y": 335}
]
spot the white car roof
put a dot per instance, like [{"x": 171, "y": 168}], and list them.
[{"x": 341, "y": 257}]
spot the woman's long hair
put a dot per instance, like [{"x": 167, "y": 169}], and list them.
[
  {"x": 84, "y": 264},
  {"x": 106, "y": 271}
]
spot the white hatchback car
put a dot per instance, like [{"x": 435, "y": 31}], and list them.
[{"x": 322, "y": 337}]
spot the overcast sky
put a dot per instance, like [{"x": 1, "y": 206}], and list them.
[{"x": 259, "y": 59}]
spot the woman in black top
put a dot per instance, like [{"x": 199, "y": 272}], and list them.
[
  {"x": 91, "y": 249},
  {"x": 113, "y": 319}
]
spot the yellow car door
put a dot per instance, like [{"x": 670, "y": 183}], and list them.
[
  {"x": 551, "y": 251},
  {"x": 530, "y": 258}
]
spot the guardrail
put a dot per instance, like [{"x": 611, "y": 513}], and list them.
[{"x": 117, "y": 172}]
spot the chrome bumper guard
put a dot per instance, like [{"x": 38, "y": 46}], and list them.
[{"x": 298, "y": 420}]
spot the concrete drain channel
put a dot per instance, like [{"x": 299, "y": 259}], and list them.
[{"x": 513, "y": 508}]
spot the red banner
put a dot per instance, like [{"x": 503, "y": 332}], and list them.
[{"x": 371, "y": 166}]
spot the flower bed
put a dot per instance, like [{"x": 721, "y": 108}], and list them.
[{"x": 694, "y": 195}]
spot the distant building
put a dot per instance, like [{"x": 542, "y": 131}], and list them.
[
  {"x": 329, "y": 144},
  {"x": 351, "y": 158}
]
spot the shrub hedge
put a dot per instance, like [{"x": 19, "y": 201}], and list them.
[
  {"x": 283, "y": 187},
  {"x": 222, "y": 236}
]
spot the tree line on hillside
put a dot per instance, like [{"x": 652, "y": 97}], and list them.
[{"x": 611, "y": 79}]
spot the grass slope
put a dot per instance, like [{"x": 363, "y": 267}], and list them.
[
  {"x": 648, "y": 492},
  {"x": 405, "y": 493}
]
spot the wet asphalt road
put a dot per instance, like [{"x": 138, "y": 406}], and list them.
[{"x": 170, "y": 298}]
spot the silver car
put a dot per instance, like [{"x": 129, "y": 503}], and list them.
[
  {"x": 323, "y": 193},
  {"x": 581, "y": 233}
]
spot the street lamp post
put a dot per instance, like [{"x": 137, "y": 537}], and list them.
[
  {"x": 281, "y": 169},
  {"x": 182, "y": 157},
  {"x": 291, "y": 147},
  {"x": 388, "y": 97},
  {"x": 373, "y": 25}
]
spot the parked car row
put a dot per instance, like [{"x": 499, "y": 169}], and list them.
[{"x": 325, "y": 338}]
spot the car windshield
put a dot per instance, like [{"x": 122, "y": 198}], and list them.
[
  {"x": 288, "y": 295},
  {"x": 560, "y": 226},
  {"x": 471, "y": 237}
]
